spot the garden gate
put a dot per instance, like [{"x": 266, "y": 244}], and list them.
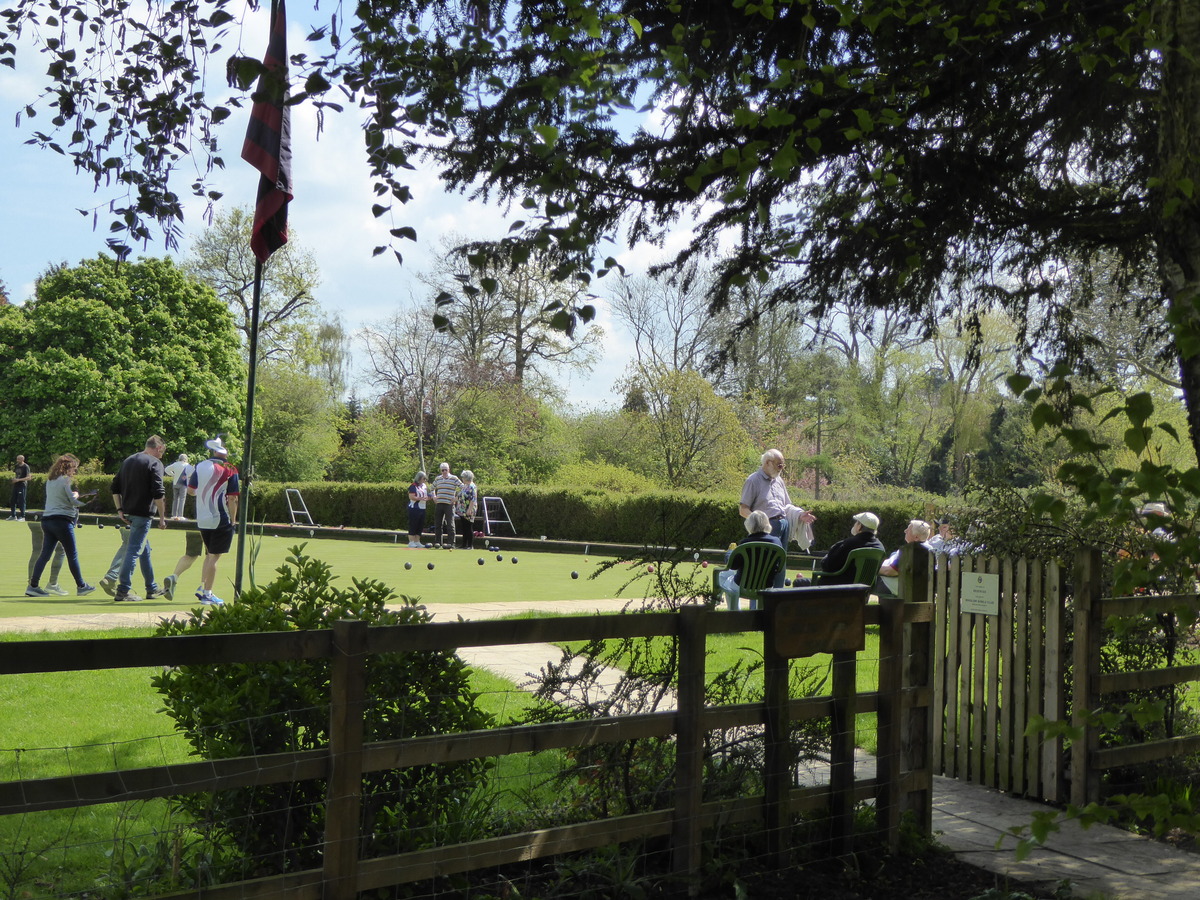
[{"x": 995, "y": 669}]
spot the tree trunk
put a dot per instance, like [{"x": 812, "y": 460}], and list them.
[{"x": 1179, "y": 194}]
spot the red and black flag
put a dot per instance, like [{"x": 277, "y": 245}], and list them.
[{"x": 268, "y": 145}]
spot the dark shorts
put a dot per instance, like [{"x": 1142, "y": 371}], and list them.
[
  {"x": 194, "y": 544},
  {"x": 217, "y": 540}
]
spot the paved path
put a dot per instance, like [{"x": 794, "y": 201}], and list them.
[{"x": 1100, "y": 862}]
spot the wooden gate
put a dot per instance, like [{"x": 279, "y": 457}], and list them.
[{"x": 994, "y": 672}]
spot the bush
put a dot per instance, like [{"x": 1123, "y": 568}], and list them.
[{"x": 250, "y": 709}]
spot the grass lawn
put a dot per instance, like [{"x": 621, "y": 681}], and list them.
[
  {"x": 457, "y": 576},
  {"x": 94, "y": 721}
]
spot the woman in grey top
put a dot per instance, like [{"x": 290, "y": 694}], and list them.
[{"x": 58, "y": 526}]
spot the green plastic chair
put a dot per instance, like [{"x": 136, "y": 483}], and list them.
[
  {"x": 761, "y": 562},
  {"x": 864, "y": 562}
]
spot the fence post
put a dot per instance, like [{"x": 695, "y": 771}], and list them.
[
  {"x": 891, "y": 681},
  {"x": 916, "y": 722},
  {"x": 776, "y": 772},
  {"x": 689, "y": 756},
  {"x": 1085, "y": 786},
  {"x": 343, "y": 800},
  {"x": 841, "y": 757},
  {"x": 1054, "y": 704}
]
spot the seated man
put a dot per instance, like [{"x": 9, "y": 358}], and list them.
[
  {"x": 862, "y": 534},
  {"x": 917, "y": 531},
  {"x": 758, "y": 527}
]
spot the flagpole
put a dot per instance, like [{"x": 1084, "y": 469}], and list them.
[{"x": 248, "y": 440}]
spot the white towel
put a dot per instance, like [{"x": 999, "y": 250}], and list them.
[{"x": 801, "y": 532}]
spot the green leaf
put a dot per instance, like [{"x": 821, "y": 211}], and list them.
[
  {"x": 1139, "y": 407},
  {"x": 1018, "y": 383}
]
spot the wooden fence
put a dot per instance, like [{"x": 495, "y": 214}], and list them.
[
  {"x": 903, "y": 779},
  {"x": 993, "y": 673}
]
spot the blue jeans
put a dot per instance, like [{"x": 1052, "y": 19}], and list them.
[
  {"x": 782, "y": 529},
  {"x": 57, "y": 530},
  {"x": 137, "y": 547}
]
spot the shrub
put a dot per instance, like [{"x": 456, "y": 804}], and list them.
[{"x": 248, "y": 709}]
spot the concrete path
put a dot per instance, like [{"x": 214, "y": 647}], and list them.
[{"x": 1100, "y": 862}]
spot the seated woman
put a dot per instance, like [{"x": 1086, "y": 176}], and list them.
[{"x": 758, "y": 527}]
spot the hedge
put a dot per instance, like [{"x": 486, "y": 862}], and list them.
[{"x": 656, "y": 518}]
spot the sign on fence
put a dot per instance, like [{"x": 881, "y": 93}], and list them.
[{"x": 980, "y": 594}]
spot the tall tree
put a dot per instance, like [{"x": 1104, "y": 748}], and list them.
[
  {"x": 221, "y": 257},
  {"x": 106, "y": 354},
  {"x": 668, "y": 318},
  {"x": 509, "y": 316},
  {"x": 699, "y": 441},
  {"x": 900, "y": 153},
  {"x": 411, "y": 365}
]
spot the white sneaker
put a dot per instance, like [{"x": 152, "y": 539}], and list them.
[
  {"x": 169, "y": 587},
  {"x": 56, "y": 589}
]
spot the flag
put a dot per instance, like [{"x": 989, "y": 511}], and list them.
[{"x": 268, "y": 144}]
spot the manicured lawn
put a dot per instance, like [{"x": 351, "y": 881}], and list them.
[{"x": 457, "y": 576}]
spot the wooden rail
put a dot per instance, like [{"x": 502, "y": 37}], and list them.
[{"x": 903, "y": 779}]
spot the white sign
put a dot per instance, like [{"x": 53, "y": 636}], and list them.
[{"x": 980, "y": 594}]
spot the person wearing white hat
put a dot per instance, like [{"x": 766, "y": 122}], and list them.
[
  {"x": 214, "y": 484},
  {"x": 862, "y": 534}
]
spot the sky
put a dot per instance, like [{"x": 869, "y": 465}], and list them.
[{"x": 330, "y": 215}]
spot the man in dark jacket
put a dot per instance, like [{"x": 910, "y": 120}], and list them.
[
  {"x": 862, "y": 534},
  {"x": 137, "y": 491}
]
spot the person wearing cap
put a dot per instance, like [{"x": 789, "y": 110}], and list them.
[
  {"x": 862, "y": 534},
  {"x": 137, "y": 491},
  {"x": 1157, "y": 516},
  {"x": 214, "y": 484},
  {"x": 945, "y": 541},
  {"x": 765, "y": 491}
]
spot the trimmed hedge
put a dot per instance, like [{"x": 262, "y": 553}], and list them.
[{"x": 656, "y": 518}]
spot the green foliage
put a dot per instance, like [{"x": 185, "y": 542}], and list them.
[
  {"x": 377, "y": 447},
  {"x": 296, "y": 422},
  {"x": 247, "y": 709},
  {"x": 602, "y": 476},
  {"x": 502, "y": 434},
  {"x": 697, "y": 438},
  {"x": 107, "y": 354}
]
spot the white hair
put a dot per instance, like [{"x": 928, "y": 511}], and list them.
[
  {"x": 771, "y": 454},
  {"x": 757, "y": 521}
]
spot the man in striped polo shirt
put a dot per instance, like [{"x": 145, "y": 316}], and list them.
[{"x": 445, "y": 491}]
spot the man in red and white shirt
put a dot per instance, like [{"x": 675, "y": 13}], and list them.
[{"x": 214, "y": 484}]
